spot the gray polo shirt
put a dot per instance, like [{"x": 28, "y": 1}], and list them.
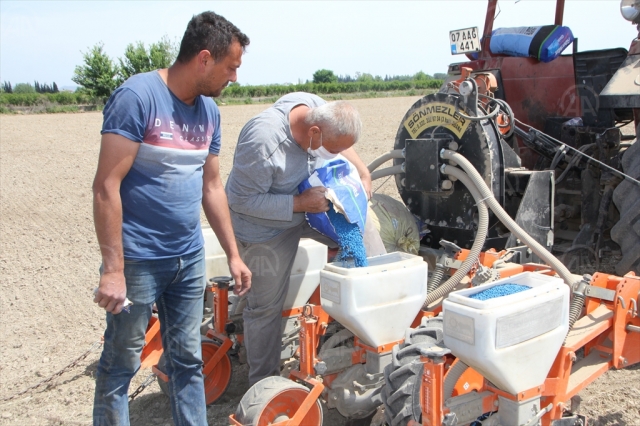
[{"x": 268, "y": 165}]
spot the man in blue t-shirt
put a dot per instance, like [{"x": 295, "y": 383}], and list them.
[{"x": 158, "y": 163}]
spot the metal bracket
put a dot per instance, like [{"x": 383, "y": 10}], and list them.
[
  {"x": 450, "y": 419},
  {"x": 599, "y": 293},
  {"x": 452, "y": 263},
  {"x": 379, "y": 381},
  {"x": 574, "y": 420},
  {"x": 222, "y": 281},
  {"x": 434, "y": 351}
]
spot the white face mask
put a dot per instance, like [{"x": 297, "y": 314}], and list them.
[{"x": 321, "y": 152}]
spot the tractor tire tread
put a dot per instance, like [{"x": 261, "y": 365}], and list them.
[{"x": 401, "y": 392}]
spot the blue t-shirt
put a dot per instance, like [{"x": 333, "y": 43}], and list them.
[{"x": 162, "y": 193}]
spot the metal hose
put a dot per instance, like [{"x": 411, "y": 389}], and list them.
[
  {"x": 387, "y": 172},
  {"x": 493, "y": 204},
  {"x": 396, "y": 153},
  {"x": 575, "y": 309},
  {"x": 452, "y": 377},
  {"x": 480, "y": 118},
  {"x": 335, "y": 340},
  {"x": 478, "y": 243},
  {"x": 436, "y": 277},
  {"x": 507, "y": 109}
]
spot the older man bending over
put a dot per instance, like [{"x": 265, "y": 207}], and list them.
[{"x": 276, "y": 151}]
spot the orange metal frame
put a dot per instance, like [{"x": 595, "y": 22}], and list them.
[
  {"x": 314, "y": 321},
  {"x": 603, "y": 332},
  {"x": 152, "y": 351},
  {"x": 607, "y": 332}
]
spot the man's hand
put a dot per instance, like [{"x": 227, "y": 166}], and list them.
[
  {"x": 111, "y": 292},
  {"x": 312, "y": 200},
  {"x": 241, "y": 275},
  {"x": 366, "y": 183}
]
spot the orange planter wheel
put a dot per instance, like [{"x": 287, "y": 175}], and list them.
[
  {"x": 276, "y": 399},
  {"x": 216, "y": 383}
]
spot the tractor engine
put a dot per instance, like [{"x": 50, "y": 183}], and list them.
[{"x": 465, "y": 117}]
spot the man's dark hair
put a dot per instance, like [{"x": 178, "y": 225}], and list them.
[{"x": 208, "y": 31}]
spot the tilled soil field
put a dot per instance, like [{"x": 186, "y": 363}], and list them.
[{"x": 49, "y": 263}]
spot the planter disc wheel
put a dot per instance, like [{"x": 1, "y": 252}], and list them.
[
  {"x": 216, "y": 383},
  {"x": 273, "y": 400}
]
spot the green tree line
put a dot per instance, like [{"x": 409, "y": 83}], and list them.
[
  {"x": 99, "y": 75},
  {"x": 33, "y": 99},
  {"x": 6, "y": 87},
  {"x": 327, "y": 76},
  {"x": 235, "y": 90}
]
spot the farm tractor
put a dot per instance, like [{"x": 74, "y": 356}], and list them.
[{"x": 511, "y": 162}]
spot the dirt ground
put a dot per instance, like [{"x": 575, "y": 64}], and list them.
[{"x": 49, "y": 263}]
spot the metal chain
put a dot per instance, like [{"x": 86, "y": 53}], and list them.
[
  {"x": 72, "y": 364},
  {"x": 150, "y": 378}
]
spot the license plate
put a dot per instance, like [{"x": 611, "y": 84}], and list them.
[{"x": 464, "y": 41}]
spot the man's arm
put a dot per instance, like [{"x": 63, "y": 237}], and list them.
[
  {"x": 117, "y": 154},
  {"x": 351, "y": 155},
  {"x": 216, "y": 208}
]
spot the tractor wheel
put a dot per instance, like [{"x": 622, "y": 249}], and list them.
[
  {"x": 627, "y": 199},
  {"x": 276, "y": 399},
  {"x": 401, "y": 392},
  {"x": 216, "y": 383}
]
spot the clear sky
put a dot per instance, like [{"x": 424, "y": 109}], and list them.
[{"x": 44, "y": 40}]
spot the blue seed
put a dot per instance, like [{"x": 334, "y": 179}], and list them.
[
  {"x": 351, "y": 243},
  {"x": 499, "y": 291}
]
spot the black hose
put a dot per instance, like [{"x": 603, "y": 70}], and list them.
[
  {"x": 335, "y": 340},
  {"x": 574, "y": 161},
  {"x": 556, "y": 159}
]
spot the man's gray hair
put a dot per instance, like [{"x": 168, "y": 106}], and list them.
[{"x": 336, "y": 119}]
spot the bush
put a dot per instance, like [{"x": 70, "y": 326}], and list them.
[
  {"x": 82, "y": 98},
  {"x": 61, "y": 108},
  {"x": 361, "y": 86},
  {"x": 63, "y": 98},
  {"x": 98, "y": 75},
  {"x": 60, "y": 98},
  {"x": 24, "y": 88},
  {"x": 324, "y": 76},
  {"x": 22, "y": 99}
]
